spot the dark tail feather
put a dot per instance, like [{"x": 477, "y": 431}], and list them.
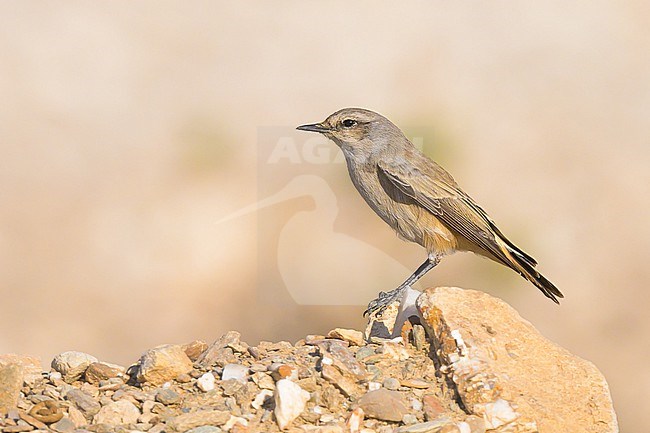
[{"x": 528, "y": 271}]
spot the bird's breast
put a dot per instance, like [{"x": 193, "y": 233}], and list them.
[{"x": 411, "y": 221}]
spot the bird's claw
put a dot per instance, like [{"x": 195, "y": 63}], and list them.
[{"x": 384, "y": 299}]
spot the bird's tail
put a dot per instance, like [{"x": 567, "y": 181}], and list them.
[{"x": 525, "y": 266}]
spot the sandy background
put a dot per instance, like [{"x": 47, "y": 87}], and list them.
[{"x": 128, "y": 130}]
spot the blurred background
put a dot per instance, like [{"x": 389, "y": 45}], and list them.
[{"x": 153, "y": 189}]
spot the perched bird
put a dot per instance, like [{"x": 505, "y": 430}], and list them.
[{"x": 418, "y": 199}]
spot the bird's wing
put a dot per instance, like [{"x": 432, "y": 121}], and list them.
[{"x": 449, "y": 204}]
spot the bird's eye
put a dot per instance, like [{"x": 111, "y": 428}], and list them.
[{"x": 349, "y": 123}]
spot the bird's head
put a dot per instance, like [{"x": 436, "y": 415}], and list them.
[{"x": 358, "y": 132}]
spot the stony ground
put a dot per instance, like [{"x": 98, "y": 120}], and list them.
[
  {"x": 464, "y": 362},
  {"x": 320, "y": 384}
]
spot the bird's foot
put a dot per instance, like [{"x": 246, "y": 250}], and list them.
[{"x": 379, "y": 304}]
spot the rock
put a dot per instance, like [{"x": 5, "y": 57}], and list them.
[
  {"x": 432, "y": 407},
  {"x": 84, "y": 402},
  {"x": 419, "y": 337},
  {"x": 391, "y": 383},
  {"x": 72, "y": 365},
  {"x": 64, "y": 425},
  {"x": 235, "y": 421},
  {"x": 231, "y": 387},
  {"x": 17, "y": 428},
  {"x": 326, "y": 429},
  {"x": 235, "y": 371},
  {"x": 509, "y": 374},
  {"x": 117, "y": 413},
  {"x": 263, "y": 380},
  {"x": 261, "y": 398},
  {"x": 290, "y": 400},
  {"x": 426, "y": 427},
  {"x": 162, "y": 364},
  {"x": 355, "y": 420},
  {"x": 221, "y": 351},
  {"x": 77, "y": 418},
  {"x": 11, "y": 382},
  {"x": 350, "y": 335},
  {"x": 98, "y": 371},
  {"x": 409, "y": 418},
  {"x": 283, "y": 371},
  {"x": 346, "y": 384},
  {"x": 187, "y": 421},
  {"x": 335, "y": 353},
  {"x": 206, "y": 382},
  {"x": 382, "y": 325},
  {"x": 395, "y": 349},
  {"x": 450, "y": 428},
  {"x": 475, "y": 424},
  {"x": 384, "y": 405},
  {"x": 364, "y": 352},
  {"x": 30, "y": 365},
  {"x": 168, "y": 397},
  {"x": 415, "y": 383},
  {"x": 205, "y": 429},
  {"x": 194, "y": 349},
  {"x": 416, "y": 405}
]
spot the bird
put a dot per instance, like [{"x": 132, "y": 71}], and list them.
[{"x": 419, "y": 199}]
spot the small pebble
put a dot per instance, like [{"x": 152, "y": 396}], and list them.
[
  {"x": 206, "y": 382},
  {"x": 415, "y": 383},
  {"x": 373, "y": 386},
  {"x": 168, "y": 397},
  {"x": 391, "y": 383},
  {"x": 364, "y": 352},
  {"x": 409, "y": 418},
  {"x": 235, "y": 371},
  {"x": 183, "y": 378}
]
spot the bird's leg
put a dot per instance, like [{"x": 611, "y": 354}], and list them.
[{"x": 384, "y": 299}]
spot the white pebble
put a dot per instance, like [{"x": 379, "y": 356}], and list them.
[
  {"x": 373, "y": 386},
  {"x": 290, "y": 400},
  {"x": 261, "y": 398},
  {"x": 327, "y": 417},
  {"x": 206, "y": 382},
  {"x": 235, "y": 371},
  {"x": 234, "y": 420}
]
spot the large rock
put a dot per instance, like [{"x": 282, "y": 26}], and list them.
[
  {"x": 72, "y": 365},
  {"x": 11, "y": 381},
  {"x": 98, "y": 371},
  {"x": 163, "y": 363},
  {"x": 222, "y": 351},
  {"x": 31, "y": 366},
  {"x": 507, "y": 372}
]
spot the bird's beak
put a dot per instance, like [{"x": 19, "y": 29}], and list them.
[{"x": 314, "y": 127}]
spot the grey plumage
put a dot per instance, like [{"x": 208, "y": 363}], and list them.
[{"x": 418, "y": 198}]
